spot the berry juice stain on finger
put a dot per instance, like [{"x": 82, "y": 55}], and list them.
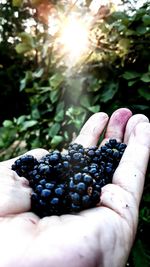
[{"x": 120, "y": 117}]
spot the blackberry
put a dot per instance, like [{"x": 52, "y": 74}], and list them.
[
  {"x": 23, "y": 165},
  {"x": 93, "y": 154},
  {"x": 83, "y": 192},
  {"x": 49, "y": 198},
  {"x": 76, "y": 147},
  {"x": 112, "y": 152},
  {"x": 103, "y": 161},
  {"x": 99, "y": 173},
  {"x": 58, "y": 164},
  {"x": 77, "y": 157},
  {"x": 53, "y": 166}
]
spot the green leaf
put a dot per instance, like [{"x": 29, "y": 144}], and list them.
[
  {"x": 35, "y": 141},
  {"x": 124, "y": 43},
  {"x": 54, "y": 130},
  {"x": 119, "y": 15},
  {"x": 145, "y": 214},
  {"x": 146, "y": 19},
  {"x": 56, "y": 80},
  {"x": 80, "y": 120},
  {"x": 38, "y": 73},
  {"x": 26, "y": 44},
  {"x": 77, "y": 116},
  {"x": 23, "y": 48},
  {"x": 85, "y": 101},
  {"x": 26, "y": 38},
  {"x": 74, "y": 111},
  {"x": 96, "y": 98},
  {"x": 132, "y": 82},
  {"x": 94, "y": 109},
  {"x": 35, "y": 114},
  {"x": 141, "y": 29},
  {"x": 144, "y": 92},
  {"x": 54, "y": 95},
  {"x": 28, "y": 77},
  {"x": 17, "y": 3},
  {"x": 146, "y": 77},
  {"x": 94, "y": 84},
  {"x": 21, "y": 120},
  {"x": 59, "y": 116},
  {"x": 122, "y": 28},
  {"x": 7, "y": 123},
  {"x": 109, "y": 92},
  {"x": 57, "y": 139},
  {"x": 28, "y": 124},
  {"x": 123, "y": 46},
  {"x": 8, "y": 136},
  {"x": 129, "y": 75},
  {"x": 60, "y": 106},
  {"x": 130, "y": 32},
  {"x": 141, "y": 107}
]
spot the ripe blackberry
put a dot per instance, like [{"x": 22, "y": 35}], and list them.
[
  {"x": 77, "y": 157},
  {"x": 53, "y": 166},
  {"x": 93, "y": 154},
  {"x": 76, "y": 148},
  {"x": 103, "y": 161},
  {"x": 112, "y": 152},
  {"x": 23, "y": 165},
  {"x": 49, "y": 198},
  {"x": 83, "y": 192},
  {"x": 98, "y": 173},
  {"x": 57, "y": 163}
]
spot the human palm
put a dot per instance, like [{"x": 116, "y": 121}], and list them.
[{"x": 98, "y": 237}]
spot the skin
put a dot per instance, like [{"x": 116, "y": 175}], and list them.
[{"x": 99, "y": 237}]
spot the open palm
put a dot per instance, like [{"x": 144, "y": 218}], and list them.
[{"x": 98, "y": 237}]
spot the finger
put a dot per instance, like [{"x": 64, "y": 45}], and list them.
[
  {"x": 130, "y": 174},
  {"x": 92, "y": 129},
  {"x": 38, "y": 153},
  {"x": 117, "y": 124},
  {"x": 131, "y": 124}
]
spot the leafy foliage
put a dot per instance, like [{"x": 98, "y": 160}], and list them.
[{"x": 50, "y": 102}]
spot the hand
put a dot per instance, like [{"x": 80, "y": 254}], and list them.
[{"x": 102, "y": 236}]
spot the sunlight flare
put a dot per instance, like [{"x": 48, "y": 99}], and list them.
[{"x": 74, "y": 38}]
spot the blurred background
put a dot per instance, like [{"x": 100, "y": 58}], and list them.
[{"x": 60, "y": 62}]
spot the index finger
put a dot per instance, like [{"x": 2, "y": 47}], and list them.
[{"x": 130, "y": 174}]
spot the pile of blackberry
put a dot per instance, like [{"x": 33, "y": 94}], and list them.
[{"x": 71, "y": 182}]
